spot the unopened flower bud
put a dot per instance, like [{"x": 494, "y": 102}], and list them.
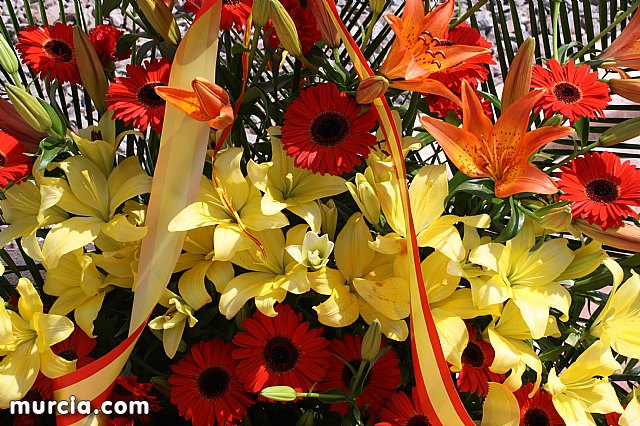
[
  {"x": 621, "y": 132},
  {"x": 364, "y": 194},
  {"x": 556, "y": 219},
  {"x": 214, "y": 102},
  {"x": 306, "y": 419},
  {"x": 161, "y": 19},
  {"x": 279, "y": 393},
  {"x": 371, "y": 89},
  {"x": 8, "y": 59},
  {"x": 329, "y": 218},
  {"x": 628, "y": 88},
  {"x": 91, "y": 71},
  {"x": 29, "y": 108},
  {"x": 260, "y": 11},
  {"x": 325, "y": 24},
  {"x": 377, "y": 6},
  {"x": 371, "y": 342},
  {"x": 555, "y": 120},
  {"x": 285, "y": 28},
  {"x": 314, "y": 251}
]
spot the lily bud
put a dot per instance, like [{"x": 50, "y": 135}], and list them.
[
  {"x": 286, "y": 28},
  {"x": 214, "y": 102},
  {"x": 628, "y": 88},
  {"x": 371, "y": 342},
  {"x": 364, "y": 194},
  {"x": 329, "y": 218},
  {"x": 12, "y": 123},
  {"x": 518, "y": 80},
  {"x": 625, "y": 237},
  {"x": 306, "y": 419},
  {"x": 260, "y": 11},
  {"x": 621, "y": 132},
  {"x": 279, "y": 393},
  {"x": 554, "y": 120},
  {"x": 371, "y": 89},
  {"x": 91, "y": 71},
  {"x": 29, "y": 108},
  {"x": 161, "y": 19},
  {"x": 556, "y": 219},
  {"x": 377, "y": 6},
  {"x": 325, "y": 24},
  {"x": 8, "y": 59}
]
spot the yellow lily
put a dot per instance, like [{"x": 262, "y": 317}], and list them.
[
  {"x": 79, "y": 287},
  {"x": 449, "y": 307},
  {"x": 288, "y": 187},
  {"x": 25, "y": 344},
  {"x": 314, "y": 251},
  {"x": 427, "y": 194},
  {"x": 199, "y": 261},
  {"x": 500, "y": 151},
  {"x": 631, "y": 415},
  {"x": 274, "y": 274},
  {"x": 618, "y": 321},
  {"x": 417, "y": 50},
  {"x": 94, "y": 198},
  {"x": 508, "y": 337},
  {"x": 511, "y": 271},
  {"x": 500, "y": 407},
  {"x": 173, "y": 322},
  {"x": 583, "y": 388},
  {"x": 364, "y": 284},
  {"x": 364, "y": 194},
  {"x": 232, "y": 203}
]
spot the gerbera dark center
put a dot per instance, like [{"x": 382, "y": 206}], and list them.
[
  {"x": 231, "y": 2},
  {"x": 347, "y": 374},
  {"x": 3, "y": 159},
  {"x": 536, "y": 416},
  {"x": 214, "y": 382},
  {"x": 148, "y": 97},
  {"x": 60, "y": 50},
  {"x": 281, "y": 354},
  {"x": 567, "y": 92},
  {"x": 473, "y": 356},
  {"x": 329, "y": 129},
  {"x": 418, "y": 420},
  {"x": 69, "y": 354},
  {"x": 602, "y": 190}
]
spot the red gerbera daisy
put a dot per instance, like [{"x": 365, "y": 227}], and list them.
[
  {"x": 127, "y": 389},
  {"x": 280, "y": 351},
  {"x": 306, "y": 25},
  {"x": 613, "y": 419},
  {"x": 14, "y": 165},
  {"x": 403, "y": 411},
  {"x": 601, "y": 188},
  {"x": 537, "y": 410},
  {"x": 49, "y": 52},
  {"x": 383, "y": 378},
  {"x": 474, "y": 377},
  {"x": 327, "y": 131},
  {"x": 76, "y": 347},
  {"x": 205, "y": 386},
  {"x": 234, "y": 12},
  {"x": 475, "y": 70},
  {"x": 104, "y": 39},
  {"x": 571, "y": 91},
  {"x": 133, "y": 98}
]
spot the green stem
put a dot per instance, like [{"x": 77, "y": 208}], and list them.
[
  {"x": 358, "y": 377},
  {"x": 574, "y": 155},
  {"x": 619, "y": 18},
  {"x": 468, "y": 13},
  {"x": 367, "y": 34},
  {"x": 554, "y": 25},
  {"x": 409, "y": 119}
]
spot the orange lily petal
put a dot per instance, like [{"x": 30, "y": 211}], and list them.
[
  {"x": 537, "y": 138},
  {"x": 512, "y": 125},
  {"x": 518, "y": 80},
  {"x": 426, "y": 85},
  {"x": 474, "y": 119},
  {"x": 412, "y": 20},
  {"x": 627, "y": 44},
  {"x": 224, "y": 120},
  {"x": 461, "y": 146},
  {"x": 524, "y": 177},
  {"x": 453, "y": 55},
  {"x": 399, "y": 55},
  {"x": 185, "y": 100},
  {"x": 437, "y": 21}
]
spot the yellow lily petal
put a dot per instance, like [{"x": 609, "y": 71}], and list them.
[
  {"x": 88, "y": 184},
  {"x": 390, "y": 296},
  {"x": 196, "y": 215},
  {"x": 67, "y": 236},
  {"x": 192, "y": 287},
  {"x": 500, "y": 407},
  {"x": 340, "y": 309},
  {"x": 242, "y": 288},
  {"x": 53, "y": 365},
  {"x": 265, "y": 304},
  {"x": 120, "y": 229},
  {"x": 352, "y": 254},
  {"x": 324, "y": 280},
  {"x": 100, "y": 152},
  {"x": 87, "y": 313},
  {"x": 427, "y": 192},
  {"x": 51, "y": 329},
  {"x": 393, "y": 329},
  {"x": 220, "y": 273},
  {"x": 631, "y": 415},
  {"x": 444, "y": 237},
  {"x": 18, "y": 372},
  {"x": 454, "y": 336},
  {"x": 126, "y": 181},
  {"x": 29, "y": 303}
]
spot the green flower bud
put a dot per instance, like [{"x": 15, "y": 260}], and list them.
[
  {"x": 8, "y": 59},
  {"x": 621, "y": 132},
  {"x": 306, "y": 419},
  {"x": 371, "y": 342},
  {"x": 286, "y": 29},
  {"x": 279, "y": 393},
  {"x": 377, "y": 6},
  {"x": 260, "y": 11},
  {"x": 29, "y": 108},
  {"x": 91, "y": 71}
]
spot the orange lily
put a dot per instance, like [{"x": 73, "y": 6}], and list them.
[
  {"x": 419, "y": 51},
  {"x": 500, "y": 151},
  {"x": 206, "y": 102},
  {"x": 624, "y": 51}
]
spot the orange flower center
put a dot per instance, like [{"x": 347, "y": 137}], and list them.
[
  {"x": 473, "y": 356},
  {"x": 567, "y": 92},
  {"x": 148, "y": 97},
  {"x": 213, "y": 382},
  {"x": 536, "y": 416},
  {"x": 602, "y": 191},
  {"x": 329, "y": 129},
  {"x": 280, "y": 354},
  {"x": 59, "y": 50}
]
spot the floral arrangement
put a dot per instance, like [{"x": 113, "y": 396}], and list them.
[{"x": 287, "y": 211}]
